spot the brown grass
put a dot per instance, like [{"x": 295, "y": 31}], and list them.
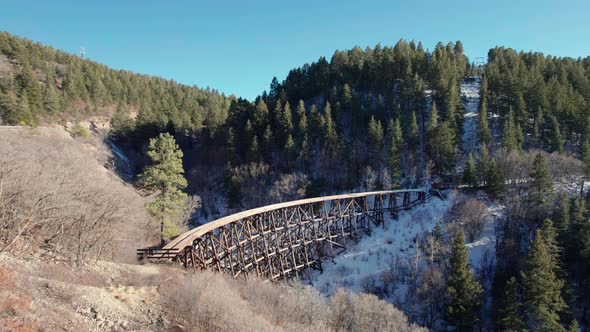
[{"x": 207, "y": 301}]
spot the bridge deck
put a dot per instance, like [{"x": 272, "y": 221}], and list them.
[{"x": 186, "y": 239}]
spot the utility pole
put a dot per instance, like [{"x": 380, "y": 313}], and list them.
[{"x": 479, "y": 61}]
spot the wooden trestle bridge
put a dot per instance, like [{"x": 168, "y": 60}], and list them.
[{"x": 284, "y": 240}]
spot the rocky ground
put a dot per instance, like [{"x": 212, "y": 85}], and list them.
[{"x": 103, "y": 296}]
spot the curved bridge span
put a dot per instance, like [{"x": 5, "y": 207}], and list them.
[{"x": 284, "y": 240}]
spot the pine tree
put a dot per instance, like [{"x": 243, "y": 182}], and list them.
[
  {"x": 375, "y": 134},
  {"x": 330, "y": 135},
  {"x": 549, "y": 234},
  {"x": 437, "y": 231},
  {"x": 433, "y": 118},
  {"x": 121, "y": 123},
  {"x": 284, "y": 123},
  {"x": 346, "y": 95},
  {"x": 495, "y": 182},
  {"x": 304, "y": 152},
  {"x": 562, "y": 219},
  {"x": 30, "y": 86},
  {"x": 519, "y": 137},
  {"x": 397, "y": 133},
  {"x": 268, "y": 143},
  {"x": 51, "y": 98},
  {"x": 485, "y": 136},
  {"x": 230, "y": 147},
  {"x": 578, "y": 211},
  {"x": 393, "y": 161},
  {"x": 248, "y": 131},
  {"x": 278, "y": 114},
  {"x": 390, "y": 132},
  {"x": 316, "y": 121},
  {"x": 452, "y": 103},
  {"x": 302, "y": 123},
  {"x": 232, "y": 188},
  {"x": 413, "y": 138},
  {"x": 586, "y": 157},
  {"x": 253, "y": 151},
  {"x": 25, "y": 115},
  {"x": 290, "y": 147},
  {"x": 574, "y": 326},
  {"x": 542, "y": 289},
  {"x": 9, "y": 108},
  {"x": 470, "y": 173},
  {"x": 586, "y": 132},
  {"x": 510, "y": 307},
  {"x": 509, "y": 135},
  {"x": 538, "y": 125},
  {"x": 165, "y": 175},
  {"x": 555, "y": 140},
  {"x": 463, "y": 291},
  {"x": 541, "y": 186},
  {"x": 442, "y": 149},
  {"x": 260, "y": 118},
  {"x": 522, "y": 115},
  {"x": 483, "y": 165}
]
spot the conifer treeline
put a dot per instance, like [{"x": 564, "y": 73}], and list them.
[
  {"x": 363, "y": 108},
  {"x": 539, "y": 101},
  {"x": 48, "y": 85}
]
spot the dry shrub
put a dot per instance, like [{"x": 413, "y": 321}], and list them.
[
  {"x": 78, "y": 130},
  {"x": 365, "y": 312},
  {"x": 255, "y": 178},
  {"x": 207, "y": 301},
  {"x": 368, "y": 179},
  {"x": 370, "y": 285},
  {"x": 288, "y": 187},
  {"x": 54, "y": 196},
  {"x": 469, "y": 214},
  {"x": 515, "y": 166},
  {"x": 292, "y": 307}
]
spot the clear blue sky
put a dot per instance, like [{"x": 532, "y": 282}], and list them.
[{"x": 238, "y": 46}]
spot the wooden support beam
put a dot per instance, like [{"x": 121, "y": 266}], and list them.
[{"x": 284, "y": 242}]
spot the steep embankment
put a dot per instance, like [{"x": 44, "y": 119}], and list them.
[
  {"x": 470, "y": 95},
  {"x": 75, "y": 206},
  {"x": 399, "y": 261}
]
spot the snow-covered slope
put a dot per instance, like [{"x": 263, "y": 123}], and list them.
[
  {"x": 470, "y": 96},
  {"x": 396, "y": 244},
  {"x": 372, "y": 254},
  {"x": 122, "y": 165}
]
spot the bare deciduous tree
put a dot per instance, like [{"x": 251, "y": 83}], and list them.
[
  {"x": 288, "y": 187},
  {"x": 431, "y": 294},
  {"x": 469, "y": 214},
  {"x": 56, "y": 199}
]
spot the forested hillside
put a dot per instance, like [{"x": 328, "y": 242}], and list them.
[
  {"x": 540, "y": 101},
  {"x": 380, "y": 117},
  {"x": 39, "y": 84},
  {"x": 361, "y": 115}
]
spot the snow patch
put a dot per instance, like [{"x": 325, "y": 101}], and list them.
[
  {"x": 470, "y": 96},
  {"x": 395, "y": 243}
]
